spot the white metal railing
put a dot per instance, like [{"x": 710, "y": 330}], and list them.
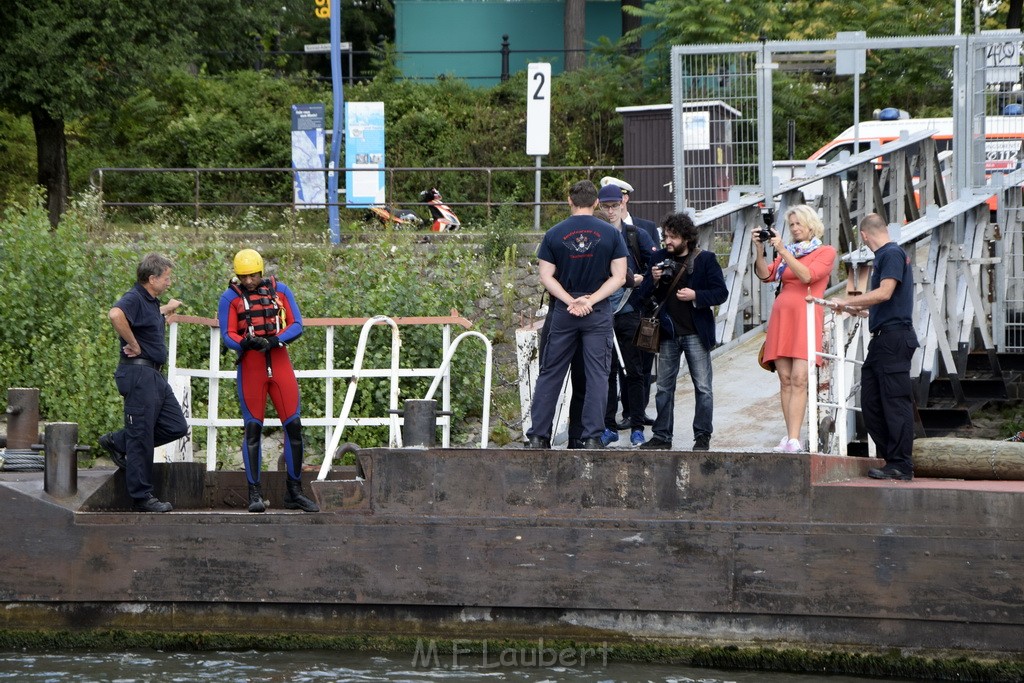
[
  {"x": 334, "y": 425},
  {"x": 846, "y": 339}
]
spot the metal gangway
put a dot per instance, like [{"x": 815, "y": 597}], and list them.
[
  {"x": 334, "y": 422},
  {"x": 959, "y": 220}
]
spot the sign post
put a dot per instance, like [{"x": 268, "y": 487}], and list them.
[
  {"x": 852, "y": 62},
  {"x": 337, "y": 89},
  {"x": 538, "y": 123}
]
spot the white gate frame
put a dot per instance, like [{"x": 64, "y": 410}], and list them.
[
  {"x": 333, "y": 426},
  {"x": 846, "y": 360}
]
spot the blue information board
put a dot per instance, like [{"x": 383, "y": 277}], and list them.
[{"x": 364, "y": 154}]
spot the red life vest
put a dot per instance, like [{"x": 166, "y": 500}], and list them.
[{"x": 261, "y": 314}]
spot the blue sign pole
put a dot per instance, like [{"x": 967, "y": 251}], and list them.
[{"x": 339, "y": 108}]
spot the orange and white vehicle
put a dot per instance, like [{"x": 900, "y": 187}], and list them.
[{"x": 1004, "y": 136}]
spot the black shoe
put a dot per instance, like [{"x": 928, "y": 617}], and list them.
[
  {"x": 888, "y": 472},
  {"x": 538, "y": 442},
  {"x": 295, "y": 499},
  {"x": 151, "y": 504},
  {"x": 656, "y": 444},
  {"x": 593, "y": 443},
  {"x": 648, "y": 421},
  {"x": 256, "y": 500},
  {"x": 702, "y": 442},
  {"x": 107, "y": 444},
  {"x": 575, "y": 444}
]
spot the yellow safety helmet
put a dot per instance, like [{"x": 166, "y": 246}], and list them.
[{"x": 248, "y": 262}]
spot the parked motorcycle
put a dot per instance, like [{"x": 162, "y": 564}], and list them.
[
  {"x": 402, "y": 217},
  {"x": 444, "y": 218}
]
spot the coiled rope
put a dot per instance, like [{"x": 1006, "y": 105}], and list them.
[{"x": 20, "y": 460}]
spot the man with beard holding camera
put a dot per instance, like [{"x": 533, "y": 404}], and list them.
[{"x": 689, "y": 282}]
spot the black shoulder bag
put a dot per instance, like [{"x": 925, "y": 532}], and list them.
[{"x": 648, "y": 333}]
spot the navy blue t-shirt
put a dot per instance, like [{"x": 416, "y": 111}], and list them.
[
  {"x": 142, "y": 310},
  {"x": 891, "y": 262},
  {"x": 582, "y": 248}
]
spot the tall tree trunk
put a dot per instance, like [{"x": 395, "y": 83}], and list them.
[
  {"x": 1014, "y": 16},
  {"x": 629, "y": 23},
  {"x": 574, "y": 29},
  {"x": 52, "y": 162}
]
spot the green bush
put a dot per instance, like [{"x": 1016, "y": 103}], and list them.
[{"x": 58, "y": 286}]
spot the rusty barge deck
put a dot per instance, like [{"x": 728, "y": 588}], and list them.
[{"x": 760, "y": 549}]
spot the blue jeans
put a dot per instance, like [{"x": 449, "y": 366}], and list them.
[{"x": 698, "y": 360}]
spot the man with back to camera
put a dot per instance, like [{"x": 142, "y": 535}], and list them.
[
  {"x": 627, "y": 377},
  {"x": 582, "y": 261},
  {"x": 687, "y": 328},
  {"x": 152, "y": 414},
  {"x": 651, "y": 228},
  {"x": 886, "y": 393},
  {"x": 258, "y": 318}
]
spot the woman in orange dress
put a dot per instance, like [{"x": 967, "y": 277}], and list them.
[{"x": 802, "y": 267}]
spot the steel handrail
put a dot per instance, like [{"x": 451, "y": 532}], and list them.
[{"x": 214, "y": 374}]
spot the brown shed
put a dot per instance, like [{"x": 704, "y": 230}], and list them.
[{"x": 647, "y": 141}]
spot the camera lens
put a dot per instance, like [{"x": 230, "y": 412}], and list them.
[{"x": 765, "y": 235}]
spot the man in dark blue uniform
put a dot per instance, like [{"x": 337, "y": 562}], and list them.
[
  {"x": 651, "y": 228},
  {"x": 152, "y": 415},
  {"x": 626, "y": 378},
  {"x": 886, "y": 396},
  {"x": 582, "y": 262}
]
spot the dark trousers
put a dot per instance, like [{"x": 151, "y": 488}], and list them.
[
  {"x": 152, "y": 418},
  {"x": 627, "y": 378},
  {"x": 592, "y": 334},
  {"x": 578, "y": 380},
  {"x": 887, "y": 398}
]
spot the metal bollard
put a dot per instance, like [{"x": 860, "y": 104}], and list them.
[
  {"x": 22, "y": 418},
  {"x": 60, "y": 464},
  {"x": 420, "y": 423}
]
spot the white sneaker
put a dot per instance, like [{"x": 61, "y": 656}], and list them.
[
  {"x": 781, "y": 448},
  {"x": 793, "y": 446}
]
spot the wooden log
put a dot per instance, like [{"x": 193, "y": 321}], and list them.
[{"x": 968, "y": 458}]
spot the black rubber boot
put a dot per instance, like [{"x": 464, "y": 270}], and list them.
[
  {"x": 256, "y": 502},
  {"x": 295, "y": 499},
  {"x": 252, "y": 454}
]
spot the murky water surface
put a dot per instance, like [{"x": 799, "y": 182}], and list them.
[{"x": 339, "y": 667}]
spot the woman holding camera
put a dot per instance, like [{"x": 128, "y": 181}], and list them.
[{"x": 800, "y": 268}]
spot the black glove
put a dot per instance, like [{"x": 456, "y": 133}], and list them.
[
  {"x": 273, "y": 342},
  {"x": 254, "y": 344}
]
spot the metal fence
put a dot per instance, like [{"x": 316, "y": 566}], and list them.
[
  {"x": 360, "y": 68},
  {"x": 206, "y": 184}
]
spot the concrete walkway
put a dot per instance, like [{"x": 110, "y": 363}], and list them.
[{"x": 748, "y": 416}]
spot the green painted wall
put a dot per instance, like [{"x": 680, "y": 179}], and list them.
[{"x": 533, "y": 26}]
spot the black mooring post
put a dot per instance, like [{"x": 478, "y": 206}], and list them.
[
  {"x": 420, "y": 423},
  {"x": 22, "y": 418},
  {"x": 60, "y": 464}
]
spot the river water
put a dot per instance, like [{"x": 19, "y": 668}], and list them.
[{"x": 147, "y": 666}]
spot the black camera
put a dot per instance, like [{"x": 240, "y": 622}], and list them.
[
  {"x": 668, "y": 269},
  {"x": 766, "y": 234}
]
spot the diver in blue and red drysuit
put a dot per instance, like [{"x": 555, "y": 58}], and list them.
[{"x": 258, "y": 317}]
